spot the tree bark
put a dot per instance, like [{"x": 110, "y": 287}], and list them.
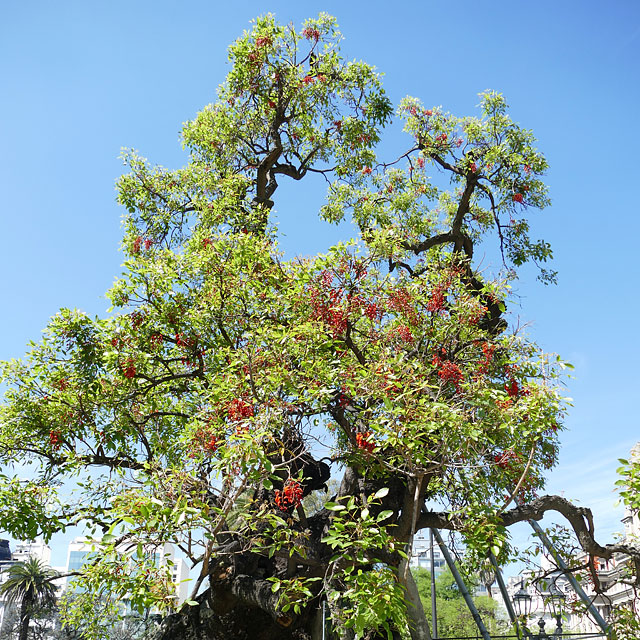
[
  {"x": 25, "y": 617},
  {"x": 418, "y": 625}
]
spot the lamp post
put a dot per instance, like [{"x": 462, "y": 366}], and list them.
[
  {"x": 522, "y": 603},
  {"x": 556, "y": 599}
]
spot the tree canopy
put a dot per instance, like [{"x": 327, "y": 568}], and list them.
[{"x": 231, "y": 381}]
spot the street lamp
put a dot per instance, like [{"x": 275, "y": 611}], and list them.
[
  {"x": 522, "y": 605},
  {"x": 556, "y": 599},
  {"x": 522, "y": 602}
]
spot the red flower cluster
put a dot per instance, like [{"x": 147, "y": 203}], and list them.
[
  {"x": 400, "y": 300},
  {"x": 448, "y": 371},
  {"x": 148, "y": 244},
  {"x": 203, "y": 439},
  {"x": 364, "y": 443},
  {"x": 518, "y": 197},
  {"x": 211, "y": 445},
  {"x": 55, "y": 437},
  {"x": 239, "y": 409},
  {"x": 372, "y": 311},
  {"x": 326, "y": 308},
  {"x": 512, "y": 388},
  {"x": 155, "y": 340},
  {"x": 206, "y": 243},
  {"x": 137, "y": 318},
  {"x": 182, "y": 341},
  {"x": 62, "y": 384},
  {"x": 308, "y": 80},
  {"x": 441, "y": 138},
  {"x": 506, "y": 459},
  {"x": 436, "y": 300},
  {"x": 136, "y": 244},
  {"x": 366, "y": 171},
  {"x": 263, "y": 41},
  {"x": 420, "y": 162},
  {"x": 488, "y": 350},
  {"x": 129, "y": 369},
  {"x": 290, "y": 497},
  {"x": 311, "y": 34},
  {"x": 404, "y": 333},
  {"x": 474, "y": 167}
]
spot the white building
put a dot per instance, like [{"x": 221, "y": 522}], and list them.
[{"x": 421, "y": 554}]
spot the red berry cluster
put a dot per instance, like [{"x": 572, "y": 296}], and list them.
[
  {"x": 239, "y": 409},
  {"x": 311, "y": 34},
  {"x": 136, "y": 244},
  {"x": 366, "y": 171},
  {"x": 55, "y": 438},
  {"x": 206, "y": 243},
  {"x": 518, "y": 197},
  {"x": 308, "y": 80},
  {"x": 62, "y": 384},
  {"x": 442, "y": 138},
  {"x": 290, "y": 497},
  {"x": 148, "y": 243},
  {"x": 363, "y": 442}
]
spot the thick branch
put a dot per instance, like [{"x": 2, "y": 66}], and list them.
[{"x": 580, "y": 519}]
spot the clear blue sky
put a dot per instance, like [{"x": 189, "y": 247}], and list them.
[{"x": 80, "y": 80}]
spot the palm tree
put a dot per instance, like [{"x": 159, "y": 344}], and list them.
[{"x": 31, "y": 584}]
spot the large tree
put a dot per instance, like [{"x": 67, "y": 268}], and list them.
[{"x": 230, "y": 381}]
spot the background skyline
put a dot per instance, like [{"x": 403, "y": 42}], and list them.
[{"x": 81, "y": 80}]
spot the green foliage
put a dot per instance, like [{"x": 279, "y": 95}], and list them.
[
  {"x": 629, "y": 483},
  {"x": 453, "y": 615}
]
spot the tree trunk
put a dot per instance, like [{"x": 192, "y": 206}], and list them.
[
  {"x": 418, "y": 625},
  {"x": 25, "y": 617}
]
